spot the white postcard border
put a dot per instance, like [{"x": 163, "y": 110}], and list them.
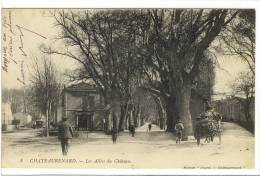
[{"x": 149, "y": 4}]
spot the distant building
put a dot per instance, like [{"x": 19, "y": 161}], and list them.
[
  {"x": 84, "y": 107},
  {"x": 24, "y": 118},
  {"x": 7, "y": 117}
]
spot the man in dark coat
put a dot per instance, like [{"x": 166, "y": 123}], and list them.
[
  {"x": 131, "y": 129},
  {"x": 114, "y": 127},
  {"x": 65, "y": 134},
  {"x": 114, "y": 135}
]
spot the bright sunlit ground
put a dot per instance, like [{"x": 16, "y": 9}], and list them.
[{"x": 156, "y": 149}]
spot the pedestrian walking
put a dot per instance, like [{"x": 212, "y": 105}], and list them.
[
  {"x": 114, "y": 135},
  {"x": 149, "y": 127},
  {"x": 65, "y": 133},
  {"x": 132, "y": 130},
  {"x": 179, "y": 127},
  {"x": 114, "y": 130}
]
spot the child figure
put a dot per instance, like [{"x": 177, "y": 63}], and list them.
[{"x": 179, "y": 127}]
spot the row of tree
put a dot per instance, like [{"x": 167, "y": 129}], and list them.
[
  {"x": 160, "y": 50},
  {"x": 239, "y": 39}
]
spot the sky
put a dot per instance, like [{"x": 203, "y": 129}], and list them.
[
  {"x": 227, "y": 71},
  {"x": 28, "y": 29},
  {"x": 35, "y": 27}
]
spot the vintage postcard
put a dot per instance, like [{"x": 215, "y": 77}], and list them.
[{"x": 128, "y": 88}]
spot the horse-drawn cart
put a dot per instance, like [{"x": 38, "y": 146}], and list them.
[{"x": 207, "y": 129}]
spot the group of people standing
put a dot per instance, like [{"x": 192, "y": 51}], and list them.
[{"x": 65, "y": 131}]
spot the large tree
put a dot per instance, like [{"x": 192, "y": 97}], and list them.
[
  {"x": 239, "y": 41},
  {"x": 177, "y": 42},
  {"x": 45, "y": 87},
  {"x": 239, "y": 38},
  {"x": 244, "y": 91},
  {"x": 168, "y": 46},
  {"x": 103, "y": 42}
]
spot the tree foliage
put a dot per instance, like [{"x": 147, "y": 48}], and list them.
[
  {"x": 160, "y": 49},
  {"x": 177, "y": 44},
  {"x": 15, "y": 97},
  {"x": 244, "y": 91},
  {"x": 239, "y": 38},
  {"x": 104, "y": 44},
  {"x": 45, "y": 86}
]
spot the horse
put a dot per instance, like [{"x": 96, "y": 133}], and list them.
[{"x": 207, "y": 129}]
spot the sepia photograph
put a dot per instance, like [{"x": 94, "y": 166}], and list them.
[{"x": 128, "y": 88}]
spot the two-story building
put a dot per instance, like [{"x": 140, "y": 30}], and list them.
[{"x": 84, "y": 107}]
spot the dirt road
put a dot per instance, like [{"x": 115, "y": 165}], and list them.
[{"x": 146, "y": 150}]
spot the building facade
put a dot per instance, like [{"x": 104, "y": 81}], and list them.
[
  {"x": 83, "y": 106},
  {"x": 7, "y": 117}
]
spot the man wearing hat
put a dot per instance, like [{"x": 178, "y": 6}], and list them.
[
  {"x": 65, "y": 133},
  {"x": 179, "y": 127}
]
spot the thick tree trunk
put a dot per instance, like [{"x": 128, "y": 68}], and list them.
[
  {"x": 170, "y": 114},
  {"x": 112, "y": 117},
  {"x": 160, "y": 111},
  {"x": 135, "y": 114},
  {"x": 141, "y": 118},
  {"x": 122, "y": 117},
  {"x": 183, "y": 96}
]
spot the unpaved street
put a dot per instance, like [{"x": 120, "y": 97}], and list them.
[{"x": 156, "y": 149}]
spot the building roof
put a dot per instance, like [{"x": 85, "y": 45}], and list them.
[{"x": 82, "y": 87}]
